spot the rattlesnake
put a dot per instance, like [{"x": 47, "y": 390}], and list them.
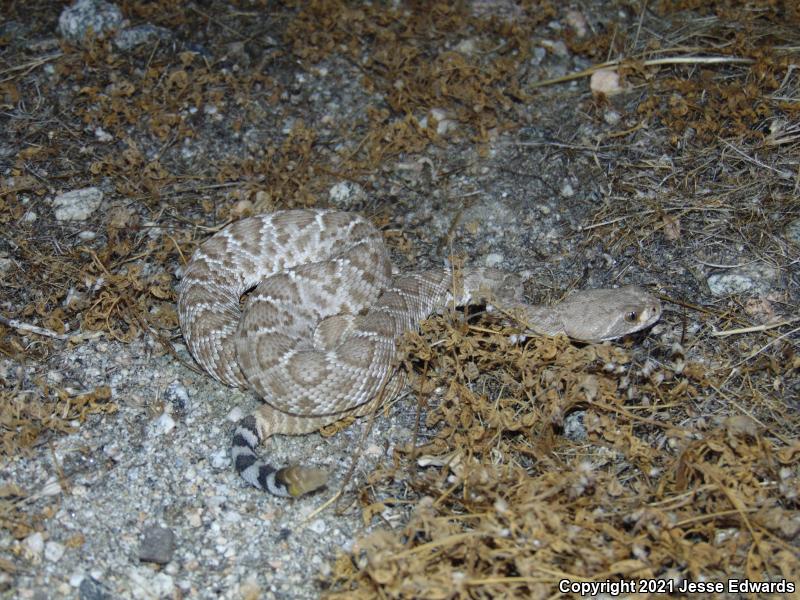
[{"x": 322, "y": 312}]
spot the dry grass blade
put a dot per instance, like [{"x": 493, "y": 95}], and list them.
[{"x": 654, "y": 62}]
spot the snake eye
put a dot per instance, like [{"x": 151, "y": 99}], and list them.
[{"x": 631, "y": 316}]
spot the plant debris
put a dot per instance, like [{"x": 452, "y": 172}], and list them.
[{"x": 659, "y": 484}]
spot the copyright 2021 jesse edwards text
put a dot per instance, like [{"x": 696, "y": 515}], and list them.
[{"x": 670, "y": 586}]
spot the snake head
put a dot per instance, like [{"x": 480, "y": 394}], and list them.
[{"x": 605, "y": 314}]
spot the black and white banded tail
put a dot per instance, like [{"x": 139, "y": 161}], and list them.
[{"x": 288, "y": 482}]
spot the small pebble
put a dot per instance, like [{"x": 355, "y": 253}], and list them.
[
  {"x": 163, "y": 424},
  {"x": 177, "y": 395},
  {"x": 102, "y": 135},
  {"x": 243, "y": 208},
  {"x": 558, "y": 48},
  {"x": 235, "y": 415},
  {"x": 146, "y": 585},
  {"x": 90, "y": 589},
  {"x": 220, "y": 459},
  {"x": 751, "y": 279},
  {"x": 612, "y": 117},
  {"x": 574, "y": 428},
  {"x": 318, "y": 526},
  {"x": 606, "y": 82},
  {"x": 577, "y": 21},
  {"x": 493, "y": 260},
  {"x": 346, "y": 194},
  {"x": 77, "y": 205},
  {"x": 538, "y": 56},
  {"x": 88, "y": 16},
  {"x": 53, "y": 551},
  {"x": 468, "y": 46},
  {"x": 158, "y": 545},
  {"x": 33, "y": 546},
  {"x": 444, "y": 123},
  {"x": 195, "y": 518}
]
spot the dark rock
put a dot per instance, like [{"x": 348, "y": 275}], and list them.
[
  {"x": 91, "y": 589},
  {"x": 158, "y": 545}
]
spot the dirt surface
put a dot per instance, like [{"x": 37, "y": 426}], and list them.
[{"x": 594, "y": 145}]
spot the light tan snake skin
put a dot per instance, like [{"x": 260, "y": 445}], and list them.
[{"x": 316, "y": 339}]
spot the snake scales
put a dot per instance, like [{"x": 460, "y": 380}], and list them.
[{"x": 316, "y": 337}]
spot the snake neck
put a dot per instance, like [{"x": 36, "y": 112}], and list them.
[{"x": 543, "y": 320}]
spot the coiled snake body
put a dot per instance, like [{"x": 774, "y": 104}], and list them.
[{"x": 317, "y": 336}]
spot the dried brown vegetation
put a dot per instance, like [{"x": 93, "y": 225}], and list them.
[{"x": 666, "y": 483}]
